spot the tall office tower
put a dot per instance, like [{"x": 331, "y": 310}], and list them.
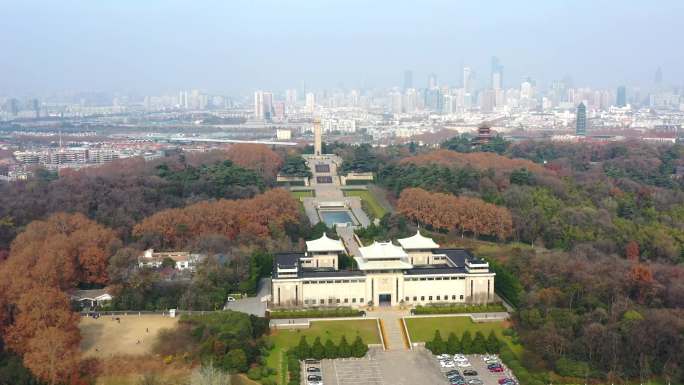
[
  {"x": 496, "y": 80},
  {"x": 310, "y": 102},
  {"x": 621, "y": 97},
  {"x": 397, "y": 102},
  {"x": 268, "y": 105},
  {"x": 408, "y": 79},
  {"x": 354, "y": 98},
  {"x": 183, "y": 99},
  {"x": 447, "y": 104},
  {"x": 496, "y": 74},
  {"x": 487, "y": 101},
  {"x": 279, "y": 110},
  {"x": 467, "y": 78},
  {"x": 526, "y": 90},
  {"x": 318, "y": 140},
  {"x": 432, "y": 81},
  {"x": 291, "y": 97},
  {"x": 259, "y": 105},
  {"x": 581, "y": 124},
  {"x": 410, "y": 100}
]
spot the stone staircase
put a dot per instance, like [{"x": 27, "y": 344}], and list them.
[{"x": 392, "y": 333}]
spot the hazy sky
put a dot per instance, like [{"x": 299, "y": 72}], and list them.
[{"x": 232, "y": 46}]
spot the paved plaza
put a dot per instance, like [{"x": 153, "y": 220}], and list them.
[{"x": 384, "y": 368}]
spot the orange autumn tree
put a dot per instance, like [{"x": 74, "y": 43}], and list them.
[
  {"x": 52, "y": 355},
  {"x": 61, "y": 251},
  {"x": 258, "y": 218},
  {"x": 448, "y": 212},
  {"x": 50, "y": 256},
  {"x": 258, "y": 157}
]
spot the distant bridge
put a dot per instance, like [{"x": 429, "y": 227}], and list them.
[{"x": 209, "y": 140}]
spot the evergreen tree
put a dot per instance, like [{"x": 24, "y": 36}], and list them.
[
  {"x": 438, "y": 345},
  {"x": 493, "y": 343},
  {"x": 479, "y": 343},
  {"x": 453, "y": 344},
  {"x": 467, "y": 342},
  {"x": 317, "y": 349},
  {"x": 330, "y": 349},
  {"x": 303, "y": 349},
  {"x": 359, "y": 349},
  {"x": 343, "y": 349}
]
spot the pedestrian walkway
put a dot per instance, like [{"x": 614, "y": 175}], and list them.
[{"x": 391, "y": 321}]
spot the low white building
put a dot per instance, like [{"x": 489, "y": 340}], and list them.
[
  {"x": 183, "y": 260},
  {"x": 415, "y": 272}
]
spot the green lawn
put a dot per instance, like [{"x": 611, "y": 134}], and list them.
[
  {"x": 302, "y": 194},
  {"x": 423, "y": 329},
  {"x": 376, "y": 208},
  {"x": 286, "y": 339}
]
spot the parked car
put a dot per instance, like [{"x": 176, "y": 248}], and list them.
[
  {"x": 475, "y": 381},
  {"x": 460, "y": 357},
  {"x": 443, "y": 357},
  {"x": 496, "y": 369},
  {"x": 313, "y": 379},
  {"x": 469, "y": 372},
  {"x": 313, "y": 369},
  {"x": 230, "y": 299},
  {"x": 463, "y": 364},
  {"x": 452, "y": 373},
  {"x": 446, "y": 364},
  {"x": 457, "y": 381},
  {"x": 506, "y": 381},
  {"x": 311, "y": 361}
]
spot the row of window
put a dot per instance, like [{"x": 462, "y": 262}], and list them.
[
  {"x": 429, "y": 298},
  {"x": 433, "y": 278},
  {"x": 337, "y": 281},
  {"x": 331, "y": 301}
]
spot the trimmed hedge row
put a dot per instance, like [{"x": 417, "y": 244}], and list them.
[
  {"x": 316, "y": 313},
  {"x": 458, "y": 309}
]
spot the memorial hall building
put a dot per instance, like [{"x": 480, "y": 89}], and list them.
[{"x": 414, "y": 272}]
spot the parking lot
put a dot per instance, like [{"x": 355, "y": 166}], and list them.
[
  {"x": 479, "y": 365},
  {"x": 418, "y": 366}
]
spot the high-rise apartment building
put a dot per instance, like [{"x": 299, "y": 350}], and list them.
[
  {"x": 259, "y": 105},
  {"x": 621, "y": 96},
  {"x": 310, "y": 102},
  {"x": 467, "y": 78},
  {"x": 496, "y": 75}
]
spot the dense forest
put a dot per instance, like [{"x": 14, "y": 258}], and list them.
[
  {"x": 86, "y": 229},
  {"x": 600, "y": 286},
  {"x": 593, "y": 240}
]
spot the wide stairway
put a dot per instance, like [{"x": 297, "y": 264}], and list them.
[{"x": 392, "y": 329}]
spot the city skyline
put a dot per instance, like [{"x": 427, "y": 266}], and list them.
[{"x": 238, "y": 48}]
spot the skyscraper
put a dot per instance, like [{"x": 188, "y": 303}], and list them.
[
  {"x": 621, "y": 97},
  {"x": 496, "y": 74},
  {"x": 259, "y": 105},
  {"x": 467, "y": 77},
  {"x": 310, "y": 102},
  {"x": 581, "y": 124},
  {"x": 432, "y": 81},
  {"x": 408, "y": 79}
]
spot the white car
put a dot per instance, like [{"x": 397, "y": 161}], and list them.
[
  {"x": 446, "y": 364},
  {"x": 443, "y": 357},
  {"x": 463, "y": 364},
  {"x": 460, "y": 357},
  {"x": 490, "y": 357},
  {"x": 231, "y": 299}
]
